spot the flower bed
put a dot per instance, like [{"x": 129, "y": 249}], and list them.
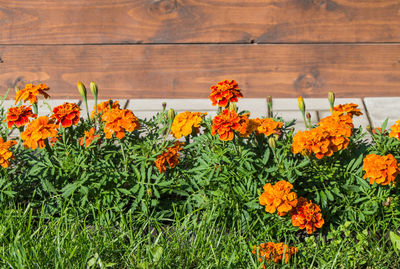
[{"x": 284, "y": 192}]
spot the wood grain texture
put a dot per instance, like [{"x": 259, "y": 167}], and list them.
[
  {"x": 187, "y": 71},
  {"x": 198, "y": 21}
]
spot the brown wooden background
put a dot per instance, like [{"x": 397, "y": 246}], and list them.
[{"x": 179, "y": 48}]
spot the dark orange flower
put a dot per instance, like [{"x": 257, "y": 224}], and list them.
[
  {"x": 227, "y": 122},
  {"x": 224, "y": 92},
  {"x": 395, "y": 130},
  {"x": 380, "y": 169},
  {"x": 184, "y": 123},
  {"x": 67, "y": 114},
  {"x": 118, "y": 121},
  {"x": 169, "y": 156},
  {"x": 307, "y": 215},
  {"x": 268, "y": 126},
  {"x": 30, "y": 93},
  {"x": 274, "y": 252},
  {"x": 252, "y": 126},
  {"x": 278, "y": 198},
  {"x": 316, "y": 140},
  {"x": 88, "y": 138},
  {"x": 37, "y": 131},
  {"x": 19, "y": 116},
  {"x": 103, "y": 107},
  {"x": 349, "y": 109},
  {"x": 5, "y": 153}
]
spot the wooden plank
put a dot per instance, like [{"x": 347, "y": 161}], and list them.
[
  {"x": 188, "y": 71},
  {"x": 198, "y": 21}
]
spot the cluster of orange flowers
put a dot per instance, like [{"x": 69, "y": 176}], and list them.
[
  {"x": 38, "y": 131},
  {"x": 30, "y": 93},
  {"x": 227, "y": 122},
  {"x": 118, "y": 121},
  {"x": 278, "y": 198},
  {"x": 67, "y": 114},
  {"x": 5, "y": 153},
  {"x": 331, "y": 135},
  {"x": 395, "y": 130},
  {"x": 307, "y": 215},
  {"x": 225, "y": 92},
  {"x": 170, "y": 157},
  {"x": 185, "y": 123},
  {"x": 19, "y": 116},
  {"x": 274, "y": 252},
  {"x": 88, "y": 138},
  {"x": 380, "y": 169}
]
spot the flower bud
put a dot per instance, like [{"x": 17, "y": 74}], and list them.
[
  {"x": 232, "y": 106},
  {"x": 302, "y": 106},
  {"x": 272, "y": 142},
  {"x": 331, "y": 98},
  {"x": 308, "y": 115},
  {"x": 164, "y": 105},
  {"x": 269, "y": 107},
  {"x": 82, "y": 90},
  {"x": 149, "y": 192},
  {"x": 94, "y": 89},
  {"x": 171, "y": 115}
]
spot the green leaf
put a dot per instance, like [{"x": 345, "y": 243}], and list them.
[
  {"x": 395, "y": 238},
  {"x": 69, "y": 189}
]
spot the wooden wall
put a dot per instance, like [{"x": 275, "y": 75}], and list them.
[{"x": 179, "y": 48}]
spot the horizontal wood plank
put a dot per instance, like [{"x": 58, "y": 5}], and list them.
[
  {"x": 188, "y": 71},
  {"x": 198, "y": 21}
]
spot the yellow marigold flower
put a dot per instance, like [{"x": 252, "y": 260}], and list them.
[
  {"x": 395, "y": 130},
  {"x": 268, "y": 126},
  {"x": 224, "y": 92},
  {"x": 184, "y": 123},
  {"x": 5, "y": 153},
  {"x": 118, "y": 121},
  {"x": 274, "y": 252},
  {"x": 30, "y": 93},
  {"x": 380, "y": 169},
  {"x": 278, "y": 198},
  {"x": 170, "y": 157},
  {"x": 37, "y": 131},
  {"x": 307, "y": 215},
  {"x": 349, "y": 109}
]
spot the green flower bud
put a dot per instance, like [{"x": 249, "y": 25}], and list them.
[
  {"x": 82, "y": 90},
  {"x": 171, "y": 115},
  {"x": 331, "y": 98},
  {"x": 272, "y": 142},
  {"x": 94, "y": 89},
  {"x": 232, "y": 106},
  {"x": 302, "y": 106}
]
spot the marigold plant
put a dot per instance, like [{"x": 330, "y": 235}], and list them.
[
  {"x": 169, "y": 156},
  {"x": 118, "y": 121},
  {"x": 380, "y": 169},
  {"x": 227, "y": 122},
  {"x": 5, "y": 153},
  {"x": 89, "y": 137},
  {"x": 38, "y": 131},
  {"x": 225, "y": 92},
  {"x": 66, "y": 114},
  {"x": 307, "y": 215},
  {"x": 274, "y": 252},
  {"x": 30, "y": 93},
  {"x": 19, "y": 116},
  {"x": 278, "y": 198},
  {"x": 185, "y": 123},
  {"x": 395, "y": 130}
]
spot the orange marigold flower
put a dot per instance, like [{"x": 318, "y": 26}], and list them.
[
  {"x": 5, "y": 153},
  {"x": 268, "y": 126},
  {"x": 316, "y": 140},
  {"x": 103, "y": 107},
  {"x": 184, "y": 123},
  {"x": 395, "y": 130},
  {"x": 67, "y": 114},
  {"x": 227, "y": 122},
  {"x": 274, "y": 251},
  {"x": 338, "y": 124},
  {"x": 278, "y": 198},
  {"x": 30, "y": 93},
  {"x": 224, "y": 92},
  {"x": 380, "y": 169},
  {"x": 307, "y": 215},
  {"x": 169, "y": 156},
  {"x": 252, "y": 126},
  {"x": 19, "y": 116},
  {"x": 118, "y": 121},
  {"x": 37, "y": 131},
  {"x": 349, "y": 109},
  {"x": 88, "y": 138}
]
